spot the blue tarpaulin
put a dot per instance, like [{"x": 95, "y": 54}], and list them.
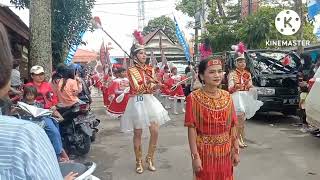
[
  {"x": 72, "y": 51},
  {"x": 313, "y": 8}
]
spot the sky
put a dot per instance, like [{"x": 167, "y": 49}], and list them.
[{"x": 120, "y": 18}]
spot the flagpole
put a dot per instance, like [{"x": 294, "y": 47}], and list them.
[{"x": 115, "y": 41}]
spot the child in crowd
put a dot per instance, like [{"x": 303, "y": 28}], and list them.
[
  {"x": 51, "y": 126},
  {"x": 302, "y": 110}
]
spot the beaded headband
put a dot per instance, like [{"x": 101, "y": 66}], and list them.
[{"x": 214, "y": 62}]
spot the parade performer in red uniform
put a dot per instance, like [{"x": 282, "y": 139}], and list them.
[
  {"x": 107, "y": 80},
  {"x": 212, "y": 126},
  {"x": 243, "y": 94},
  {"x": 143, "y": 109},
  {"x": 120, "y": 87},
  {"x": 165, "y": 89},
  {"x": 177, "y": 91}
]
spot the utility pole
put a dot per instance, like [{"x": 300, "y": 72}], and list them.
[
  {"x": 197, "y": 25},
  {"x": 250, "y": 7},
  {"x": 141, "y": 15},
  {"x": 203, "y": 17}
]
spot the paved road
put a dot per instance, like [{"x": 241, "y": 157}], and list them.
[{"x": 277, "y": 150}]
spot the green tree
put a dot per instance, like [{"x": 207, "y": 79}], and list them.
[
  {"x": 163, "y": 22},
  {"x": 69, "y": 19},
  {"x": 254, "y": 30},
  {"x": 188, "y": 7},
  {"x": 259, "y": 27}
]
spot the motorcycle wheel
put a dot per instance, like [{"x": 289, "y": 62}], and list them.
[{"x": 83, "y": 147}]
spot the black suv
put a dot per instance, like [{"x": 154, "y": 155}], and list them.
[{"x": 277, "y": 84}]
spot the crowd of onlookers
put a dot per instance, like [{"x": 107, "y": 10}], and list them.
[{"x": 28, "y": 150}]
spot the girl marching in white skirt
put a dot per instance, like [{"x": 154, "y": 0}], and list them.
[
  {"x": 243, "y": 95},
  {"x": 143, "y": 109}
]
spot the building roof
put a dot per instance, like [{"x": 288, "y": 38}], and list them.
[
  {"x": 13, "y": 22},
  {"x": 149, "y": 36},
  {"x": 85, "y": 56}
]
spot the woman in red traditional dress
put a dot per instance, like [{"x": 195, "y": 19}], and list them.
[
  {"x": 212, "y": 126},
  {"x": 176, "y": 93},
  {"x": 120, "y": 87},
  {"x": 244, "y": 97}
]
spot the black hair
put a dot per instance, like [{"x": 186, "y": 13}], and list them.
[
  {"x": 120, "y": 70},
  {"x": 134, "y": 51},
  {"x": 307, "y": 61},
  {"x": 68, "y": 73},
  {"x": 203, "y": 65},
  {"x": 187, "y": 70},
  {"x": 15, "y": 64},
  {"x": 304, "y": 89},
  {"x": 30, "y": 90},
  {"x": 6, "y": 58}
]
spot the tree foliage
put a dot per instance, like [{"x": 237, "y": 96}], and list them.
[
  {"x": 69, "y": 19},
  {"x": 163, "y": 22},
  {"x": 254, "y": 30},
  {"x": 188, "y": 7}
]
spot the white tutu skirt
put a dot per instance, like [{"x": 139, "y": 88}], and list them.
[
  {"x": 141, "y": 111},
  {"x": 246, "y": 102}
]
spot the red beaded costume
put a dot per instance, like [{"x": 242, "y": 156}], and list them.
[{"x": 215, "y": 122}]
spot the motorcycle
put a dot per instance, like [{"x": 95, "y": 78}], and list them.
[
  {"x": 84, "y": 170},
  {"x": 79, "y": 128}
]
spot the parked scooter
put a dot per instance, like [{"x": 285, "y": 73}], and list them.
[
  {"x": 78, "y": 128},
  {"x": 84, "y": 170}
]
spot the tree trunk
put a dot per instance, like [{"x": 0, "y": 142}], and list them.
[
  {"x": 40, "y": 28},
  {"x": 299, "y": 10},
  {"x": 220, "y": 8}
]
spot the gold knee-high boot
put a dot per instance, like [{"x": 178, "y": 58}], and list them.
[
  {"x": 242, "y": 136},
  {"x": 240, "y": 140},
  {"x": 149, "y": 158},
  {"x": 139, "y": 165}
]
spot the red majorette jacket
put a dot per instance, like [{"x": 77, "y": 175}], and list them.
[
  {"x": 241, "y": 78},
  {"x": 138, "y": 79}
]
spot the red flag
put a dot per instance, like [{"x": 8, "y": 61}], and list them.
[
  {"x": 153, "y": 60},
  {"x": 163, "y": 57},
  {"x": 286, "y": 60},
  {"x": 108, "y": 62},
  {"x": 124, "y": 63},
  {"x": 102, "y": 54}
]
